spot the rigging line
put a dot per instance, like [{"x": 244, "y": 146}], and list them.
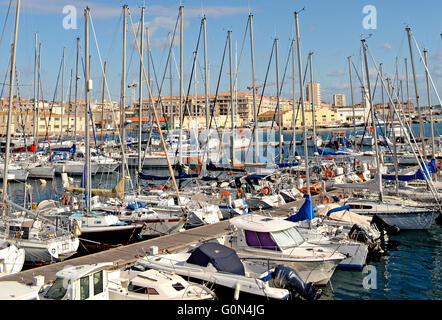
[
  {"x": 262, "y": 95},
  {"x": 416, "y": 154},
  {"x": 186, "y": 102},
  {"x": 280, "y": 91},
  {"x": 55, "y": 90},
  {"x": 132, "y": 54},
  {"x": 160, "y": 100},
  {"x": 169, "y": 54},
  {"x": 6, "y": 75},
  {"x": 240, "y": 55},
  {"x": 426, "y": 68},
  {"x": 157, "y": 120},
  {"x": 6, "y": 20},
  {"x": 109, "y": 95},
  {"x": 44, "y": 110},
  {"x": 21, "y": 107},
  {"x": 212, "y": 108}
]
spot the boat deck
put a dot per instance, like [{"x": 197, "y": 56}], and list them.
[{"x": 128, "y": 254}]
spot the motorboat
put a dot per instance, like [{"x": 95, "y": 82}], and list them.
[
  {"x": 12, "y": 258},
  {"x": 219, "y": 265},
  {"x": 269, "y": 240},
  {"x": 135, "y": 284}
]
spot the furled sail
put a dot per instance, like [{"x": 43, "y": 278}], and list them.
[{"x": 116, "y": 192}]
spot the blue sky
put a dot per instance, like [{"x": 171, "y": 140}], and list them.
[{"x": 331, "y": 29}]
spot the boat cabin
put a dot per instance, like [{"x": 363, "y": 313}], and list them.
[
  {"x": 84, "y": 282},
  {"x": 262, "y": 232}
]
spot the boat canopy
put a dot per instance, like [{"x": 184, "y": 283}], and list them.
[
  {"x": 221, "y": 257},
  {"x": 431, "y": 167},
  {"x": 343, "y": 208},
  {"x": 339, "y": 152},
  {"x": 306, "y": 212}
]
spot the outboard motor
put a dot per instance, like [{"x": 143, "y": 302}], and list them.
[
  {"x": 287, "y": 278},
  {"x": 383, "y": 226},
  {"x": 359, "y": 234}
]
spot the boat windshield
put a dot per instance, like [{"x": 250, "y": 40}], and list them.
[
  {"x": 58, "y": 290},
  {"x": 287, "y": 238}
]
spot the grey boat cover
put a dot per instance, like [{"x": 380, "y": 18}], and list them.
[{"x": 224, "y": 259}]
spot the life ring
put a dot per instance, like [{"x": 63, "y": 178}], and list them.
[
  {"x": 266, "y": 190},
  {"x": 224, "y": 194},
  {"x": 329, "y": 173},
  {"x": 65, "y": 199}
]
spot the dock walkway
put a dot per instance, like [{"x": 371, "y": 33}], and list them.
[{"x": 128, "y": 254}]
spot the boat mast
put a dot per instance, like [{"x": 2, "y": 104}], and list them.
[
  {"x": 232, "y": 140},
  {"x": 206, "y": 87},
  {"x": 352, "y": 98},
  {"x": 408, "y": 91},
  {"x": 11, "y": 101},
  {"x": 88, "y": 88},
  {"x": 62, "y": 96},
  {"x": 421, "y": 123},
  {"x": 255, "y": 111},
  {"x": 293, "y": 107},
  {"x": 298, "y": 47},
  {"x": 171, "y": 106},
  {"x": 373, "y": 121},
  {"x": 102, "y": 103},
  {"x": 77, "y": 77},
  {"x": 393, "y": 133},
  {"x": 123, "y": 94},
  {"x": 278, "y": 102},
  {"x": 140, "y": 93},
  {"x": 70, "y": 101},
  {"x": 180, "y": 138},
  {"x": 38, "y": 92},
  {"x": 35, "y": 96},
  {"x": 310, "y": 55},
  {"x": 383, "y": 104},
  {"x": 433, "y": 147}
]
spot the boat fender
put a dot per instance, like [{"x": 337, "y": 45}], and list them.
[
  {"x": 237, "y": 291},
  {"x": 286, "y": 278}
]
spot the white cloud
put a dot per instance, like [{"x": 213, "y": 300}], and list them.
[
  {"x": 337, "y": 73},
  {"x": 387, "y": 46}
]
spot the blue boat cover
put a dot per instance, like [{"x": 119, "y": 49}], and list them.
[
  {"x": 338, "y": 209},
  {"x": 323, "y": 152},
  {"x": 419, "y": 175},
  {"x": 285, "y": 165},
  {"x": 221, "y": 257},
  {"x": 72, "y": 149},
  {"x": 144, "y": 176},
  {"x": 306, "y": 212},
  {"x": 136, "y": 205}
]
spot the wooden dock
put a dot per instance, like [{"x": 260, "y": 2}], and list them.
[{"x": 128, "y": 254}]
